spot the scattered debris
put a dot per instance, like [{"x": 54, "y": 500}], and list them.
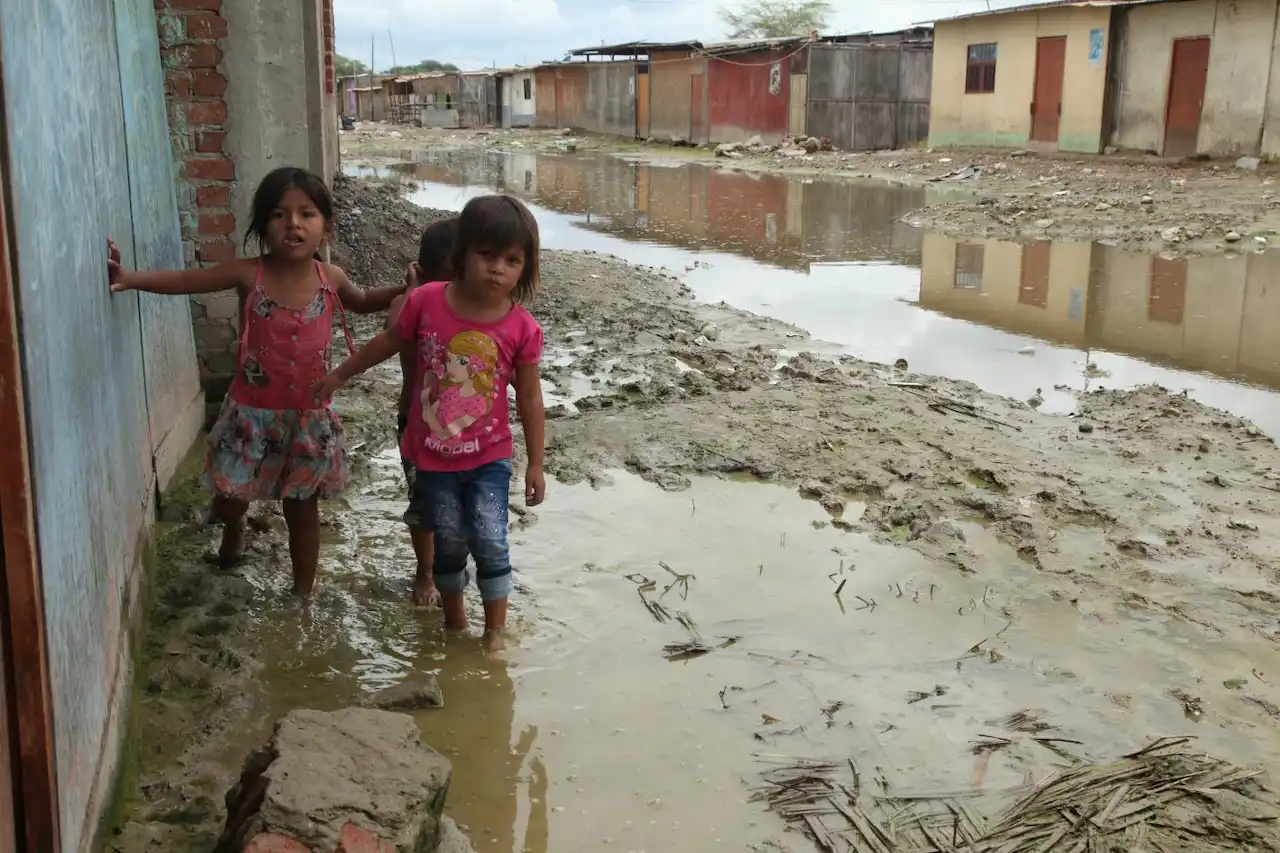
[{"x": 1163, "y": 798}]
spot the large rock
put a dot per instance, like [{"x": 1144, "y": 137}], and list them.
[{"x": 350, "y": 781}]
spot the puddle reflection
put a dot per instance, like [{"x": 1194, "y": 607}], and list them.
[{"x": 833, "y": 258}]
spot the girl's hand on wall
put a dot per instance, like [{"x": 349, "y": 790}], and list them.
[{"x": 115, "y": 272}]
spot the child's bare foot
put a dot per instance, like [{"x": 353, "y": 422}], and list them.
[
  {"x": 495, "y": 640},
  {"x": 425, "y": 593},
  {"x": 455, "y": 612},
  {"x": 303, "y": 588}
]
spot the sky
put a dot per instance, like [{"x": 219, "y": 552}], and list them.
[{"x": 484, "y": 33}]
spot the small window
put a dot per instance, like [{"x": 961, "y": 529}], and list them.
[
  {"x": 969, "y": 258},
  {"x": 980, "y": 68},
  {"x": 528, "y": 89}
]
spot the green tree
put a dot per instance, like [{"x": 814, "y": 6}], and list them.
[
  {"x": 776, "y": 18},
  {"x": 422, "y": 67},
  {"x": 344, "y": 67}
]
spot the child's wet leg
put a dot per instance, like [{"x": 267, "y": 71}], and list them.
[
  {"x": 303, "y": 520},
  {"x": 439, "y": 496},
  {"x": 487, "y": 497},
  {"x": 424, "y": 550},
  {"x": 231, "y": 513}
]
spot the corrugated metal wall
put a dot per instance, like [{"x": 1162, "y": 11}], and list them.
[
  {"x": 869, "y": 97},
  {"x": 90, "y": 158},
  {"x": 748, "y": 96},
  {"x": 611, "y": 98}
]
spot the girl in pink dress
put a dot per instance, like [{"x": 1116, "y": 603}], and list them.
[
  {"x": 473, "y": 337},
  {"x": 273, "y": 440}
]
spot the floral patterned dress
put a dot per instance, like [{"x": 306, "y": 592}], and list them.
[{"x": 271, "y": 441}]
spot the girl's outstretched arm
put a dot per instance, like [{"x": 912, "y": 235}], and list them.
[
  {"x": 370, "y": 355},
  {"x": 362, "y": 301},
  {"x": 233, "y": 275}
]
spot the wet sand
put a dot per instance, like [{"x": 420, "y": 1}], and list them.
[{"x": 903, "y": 566}]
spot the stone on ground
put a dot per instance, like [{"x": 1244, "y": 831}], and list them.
[
  {"x": 351, "y": 781},
  {"x": 418, "y": 691}
]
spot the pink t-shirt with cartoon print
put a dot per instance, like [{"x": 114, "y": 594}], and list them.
[{"x": 459, "y": 417}]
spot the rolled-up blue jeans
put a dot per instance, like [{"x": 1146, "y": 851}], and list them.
[{"x": 469, "y": 511}]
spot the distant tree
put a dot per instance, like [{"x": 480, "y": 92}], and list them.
[
  {"x": 776, "y": 18},
  {"x": 422, "y": 67},
  {"x": 344, "y": 67}
]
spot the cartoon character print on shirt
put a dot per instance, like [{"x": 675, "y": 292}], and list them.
[{"x": 460, "y": 383}]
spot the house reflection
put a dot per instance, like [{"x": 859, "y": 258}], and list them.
[
  {"x": 1214, "y": 314},
  {"x": 768, "y": 218}
]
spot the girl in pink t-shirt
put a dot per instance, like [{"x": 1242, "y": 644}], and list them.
[{"x": 473, "y": 338}]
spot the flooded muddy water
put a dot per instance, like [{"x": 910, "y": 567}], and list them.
[
  {"x": 833, "y": 258},
  {"x": 584, "y": 736}
]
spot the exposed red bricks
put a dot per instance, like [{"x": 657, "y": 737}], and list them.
[
  {"x": 191, "y": 35},
  {"x": 330, "y": 82},
  {"x": 353, "y": 840}
]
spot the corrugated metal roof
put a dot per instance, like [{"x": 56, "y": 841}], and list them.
[
  {"x": 635, "y": 48},
  {"x": 1049, "y": 4}
]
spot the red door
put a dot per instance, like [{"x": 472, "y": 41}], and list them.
[
  {"x": 1046, "y": 104},
  {"x": 697, "y": 127},
  {"x": 1034, "y": 288},
  {"x": 1187, "y": 75}
]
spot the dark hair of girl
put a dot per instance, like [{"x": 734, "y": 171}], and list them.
[
  {"x": 435, "y": 252},
  {"x": 496, "y": 223},
  {"x": 272, "y": 189}
]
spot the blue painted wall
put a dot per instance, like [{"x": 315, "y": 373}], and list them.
[{"x": 89, "y": 158}]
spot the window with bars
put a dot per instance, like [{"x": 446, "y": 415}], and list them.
[
  {"x": 980, "y": 69},
  {"x": 969, "y": 258}
]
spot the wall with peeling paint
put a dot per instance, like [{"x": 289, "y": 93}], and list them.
[{"x": 112, "y": 393}]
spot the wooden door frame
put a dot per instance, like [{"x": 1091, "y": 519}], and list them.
[
  {"x": 1168, "y": 87},
  {"x": 22, "y": 614}
]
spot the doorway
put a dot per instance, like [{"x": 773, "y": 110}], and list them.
[
  {"x": 1188, "y": 71},
  {"x": 1046, "y": 104},
  {"x": 642, "y": 103}
]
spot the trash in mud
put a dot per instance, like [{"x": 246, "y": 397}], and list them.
[
  {"x": 943, "y": 404},
  {"x": 695, "y": 646},
  {"x": 681, "y": 581},
  {"x": 1165, "y": 797}
]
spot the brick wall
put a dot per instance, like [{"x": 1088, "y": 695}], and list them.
[
  {"x": 192, "y": 40},
  {"x": 330, "y": 81}
]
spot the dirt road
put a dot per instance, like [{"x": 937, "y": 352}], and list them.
[
  {"x": 1119, "y": 566},
  {"x": 1138, "y": 201}
]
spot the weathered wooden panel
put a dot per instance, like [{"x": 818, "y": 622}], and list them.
[
  {"x": 916, "y": 70},
  {"x": 172, "y": 376},
  {"x": 669, "y": 94},
  {"x": 874, "y": 126},
  {"x": 868, "y": 97},
  {"x": 571, "y": 97},
  {"x": 95, "y": 165},
  {"x": 611, "y": 98},
  {"x": 544, "y": 81}
]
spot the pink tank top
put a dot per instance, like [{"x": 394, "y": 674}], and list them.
[{"x": 284, "y": 351}]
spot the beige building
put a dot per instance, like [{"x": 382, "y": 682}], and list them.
[{"x": 1172, "y": 77}]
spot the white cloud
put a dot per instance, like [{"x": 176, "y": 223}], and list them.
[{"x": 477, "y": 33}]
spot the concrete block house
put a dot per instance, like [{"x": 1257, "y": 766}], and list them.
[{"x": 1173, "y": 77}]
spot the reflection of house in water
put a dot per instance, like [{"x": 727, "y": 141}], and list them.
[
  {"x": 768, "y": 218},
  {"x": 1214, "y": 314}
]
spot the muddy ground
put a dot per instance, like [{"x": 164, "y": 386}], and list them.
[
  {"x": 1145, "y": 503},
  {"x": 1132, "y": 200}
]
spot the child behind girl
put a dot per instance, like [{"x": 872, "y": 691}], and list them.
[
  {"x": 434, "y": 260},
  {"x": 273, "y": 439},
  {"x": 472, "y": 337}
]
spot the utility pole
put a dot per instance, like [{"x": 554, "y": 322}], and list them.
[
  {"x": 393, "y": 48},
  {"x": 372, "y": 99}
]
